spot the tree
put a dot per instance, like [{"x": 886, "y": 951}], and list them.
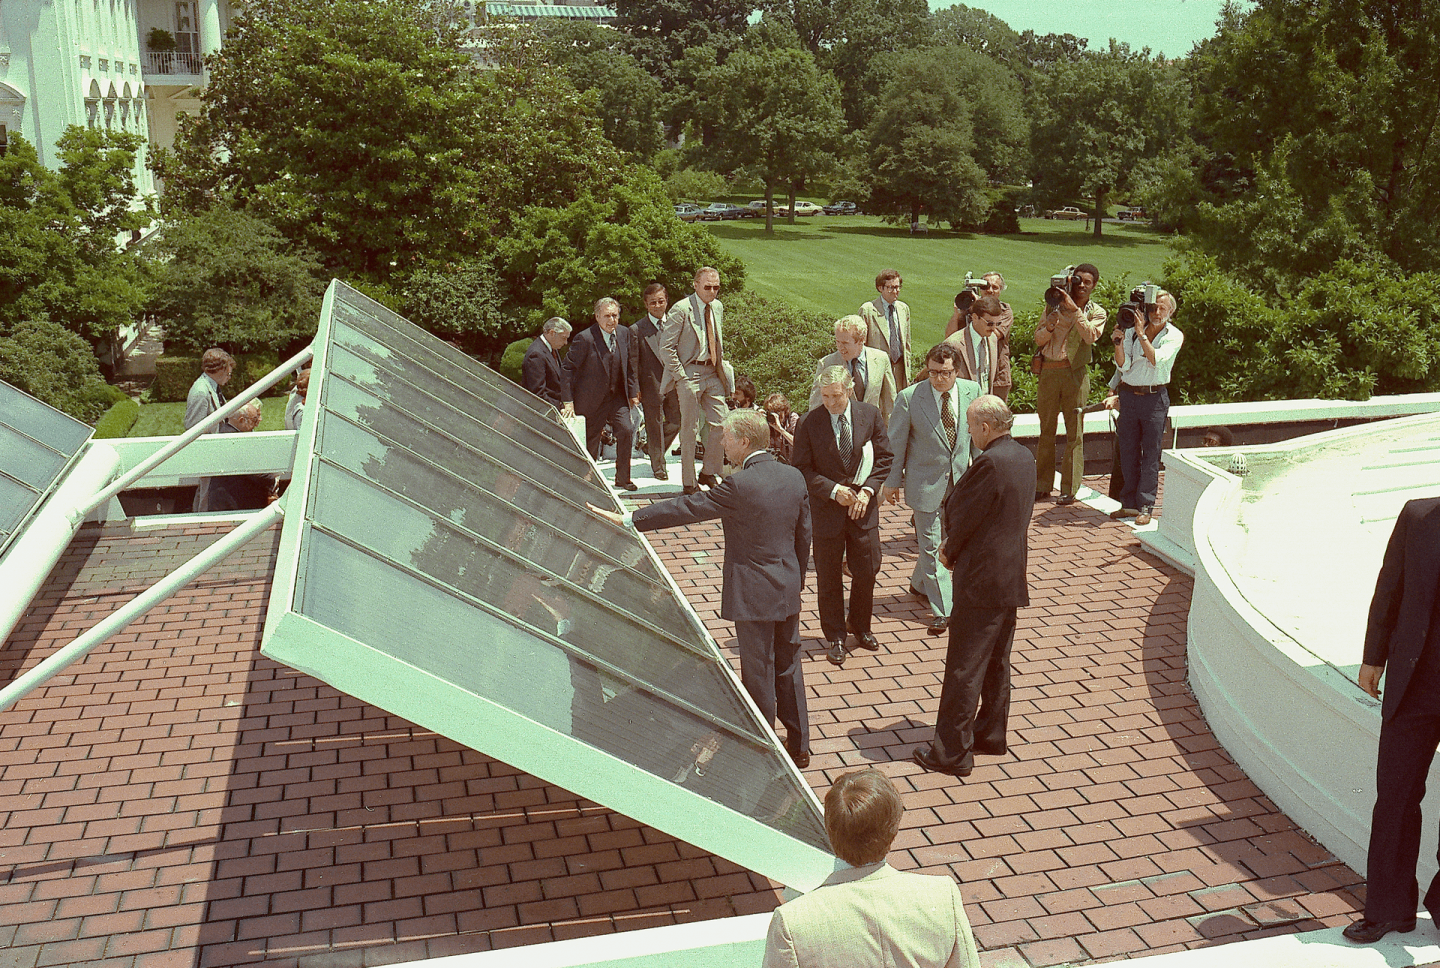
[
  {"x": 347, "y": 126},
  {"x": 54, "y": 366},
  {"x": 773, "y": 112},
  {"x": 628, "y": 100},
  {"x": 1333, "y": 106},
  {"x": 59, "y": 255},
  {"x": 922, "y": 141},
  {"x": 461, "y": 303},
  {"x": 226, "y": 278},
  {"x": 1098, "y": 117},
  {"x": 846, "y": 36},
  {"x": 659, "y": 32},
  {"x": 611, "y": 243}
]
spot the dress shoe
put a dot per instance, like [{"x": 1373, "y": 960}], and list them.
[
  {"x": 661, "y": 475},
  {"x": 836, "y": 652},
  {"x": 1064, "y": 499},
  {"x": 1042, "y": 495},
  {"x": 924, "y": 757},
  {"x": 1143, "y": 518},
  {"x": 919, "y": 594},
  {"x": 626, "y": 486},
  {"x": 1366, "y": 931},
  {"x": 1121, "y": 513},
  {"x": 691, "y": 488},
  {"x": 709, "y": 480},
  {"x": 801, "y": 758},
  {"x": 867, "y": 641},
  {"x": 938, "y": 626}
]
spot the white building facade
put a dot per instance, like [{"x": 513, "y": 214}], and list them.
[{"x": 91, "y": 63}]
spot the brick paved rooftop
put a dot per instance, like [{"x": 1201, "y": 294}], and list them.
[{"x": 175, "y": 799}]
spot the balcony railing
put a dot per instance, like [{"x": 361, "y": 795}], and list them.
[{"x": 173, "y": 62}]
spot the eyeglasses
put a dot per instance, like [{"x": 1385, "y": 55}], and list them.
[
  {"x": 891, "y": 287},
  {"x": 710, "y": 288},
  {"x": 947, "y": 372}
]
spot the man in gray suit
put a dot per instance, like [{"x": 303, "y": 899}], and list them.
[
  {"x": 869, "y": 915},
  {"x": 693, "y": 346},
  {"x": 765, "y": 511},
  {"x": 869, "y": 368},
  {"x": 205, "y": 396},
  {"x": 932, "y": 449},
  {"x": 658, "y": 397}
]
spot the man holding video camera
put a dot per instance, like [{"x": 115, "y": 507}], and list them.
[
  {"x": 1146, "y": 344},
  {"x": 1065, "y": 337}
]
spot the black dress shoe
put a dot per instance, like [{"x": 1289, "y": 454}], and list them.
[
  {"x": 867, "y": 641},
  {"x": 938, "y": 626},
  {"x": 691, "y": 488},
  {"x": 1366, "y": 931},
  {"x": 836, "y": 652},
  {"x": 709, "y": 480},
  {"x": 1065, "y": 499},
  {"x": 627, "y": 486},
  {"x": 661, "y": 475},
  {"x": 801, "y": 758},
  {"x": 924, "y": 758}
]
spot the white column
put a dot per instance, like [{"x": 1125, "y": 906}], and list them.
[{"x": 208, "y": 18}]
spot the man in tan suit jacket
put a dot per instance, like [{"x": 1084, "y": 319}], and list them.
[
  {"x": 692, "y": 345},
  {"x": 888, "y": 320},
  {"x": 870, "y": 915},
  {"x": 874, "y": 380},
  {"x": 980, "y": 337}
]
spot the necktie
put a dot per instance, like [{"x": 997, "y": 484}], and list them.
[
  {"x": 847, "y": 446},
  {"x": 896, "y": 350},
  {"x": 857, "y": 372},
  {"x": 983, "y": 351},
  {"x": 712, "y": 343},
  {"x": 948, "y": 416}
]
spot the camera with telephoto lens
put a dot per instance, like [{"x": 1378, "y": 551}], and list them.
[
  {"x": 1142, "y": 303},
  {"x": 1061, "y": 284},
  {"x": 973, "y": 289}
]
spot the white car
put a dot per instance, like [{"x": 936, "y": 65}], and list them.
[{"x": 801, "y": 209}]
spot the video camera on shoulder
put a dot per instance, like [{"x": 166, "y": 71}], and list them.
[
  {"x": 973, "y": 289},
  {"x": 1142, "y": 303},
  {"x": 1061, "y": 283}
]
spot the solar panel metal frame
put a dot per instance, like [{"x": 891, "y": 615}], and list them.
[
  {"x": 483, "y": 724},
  {"x": 18, "y": 409}
]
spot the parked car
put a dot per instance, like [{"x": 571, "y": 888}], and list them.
[
  {"x": 757, "y": 207},
  {"x": 722, "y": 211},
  {"x": 1068, "y": 212},
  {"x": 1133, "y": 214},
  {"x": 687, "y": 213},
  {"x": 842, "y": 208},
  {"x": 802, "y": 209}
]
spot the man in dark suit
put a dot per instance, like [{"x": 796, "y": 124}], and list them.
[
  {"x": 1402, "y": 641},
  {"x": 603, "y": 386},
  {"x": 766, "y": 518},
  {"x": 542, "y": 372},
  {"x": 986, "y": 520},
  {"x": 843, "y": 451},
  {"x": 658, "y": 396}
]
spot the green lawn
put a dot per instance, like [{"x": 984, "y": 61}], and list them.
[
  {"x": 828, "y": 263},
  {"x": 168, "y": 419}
]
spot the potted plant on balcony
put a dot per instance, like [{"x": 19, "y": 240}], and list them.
[{"x": 162, "y": 43}]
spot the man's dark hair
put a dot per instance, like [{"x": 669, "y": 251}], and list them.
[
  {"x": 1087, "y": 267},
  {"x": 885, "y": 276},
  {"x": 944, "y": 353},
  {"x": 745, "y": 386},
  {"x": 987, "y": 306},
  {"x": 652, "y": 289}
]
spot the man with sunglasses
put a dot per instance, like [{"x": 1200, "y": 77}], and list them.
[{"x": 692, "y": 344}]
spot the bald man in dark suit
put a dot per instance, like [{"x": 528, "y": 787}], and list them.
[
  {"x": 1402, "y": 642},
  {"x": 987, "y": 517}
]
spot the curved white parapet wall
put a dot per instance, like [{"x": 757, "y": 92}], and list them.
[{"x": 1285, "y": 560}]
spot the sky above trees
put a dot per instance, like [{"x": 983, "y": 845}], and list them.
[{"x": 1168, "y": 26}]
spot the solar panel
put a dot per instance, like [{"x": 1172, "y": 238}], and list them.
[
  {"x": 438, "y": 561},
  {"x": 37, "y": 444}
]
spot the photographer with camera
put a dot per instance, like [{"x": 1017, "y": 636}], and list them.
[
  {"x": 980, "y": 330},
  {"x": 1146, "y": 345},
  {"x": 1065, "y": 336}
]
